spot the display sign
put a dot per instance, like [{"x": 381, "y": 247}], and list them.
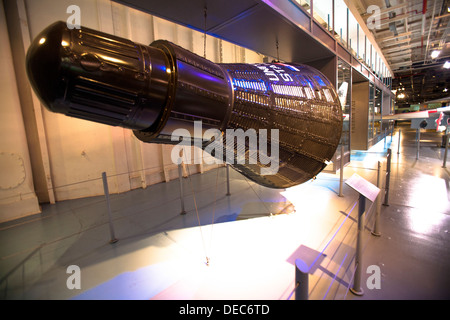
[{"x": 363, "y": 187}]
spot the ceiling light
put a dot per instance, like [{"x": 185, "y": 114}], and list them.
[
  {"x": 401, "y": 96},
  {"x": 445, "y": 90},
  {"x": 447, "y": 64},
  {"x": 435, "y": 54}
]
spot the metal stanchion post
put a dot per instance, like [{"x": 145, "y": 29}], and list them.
[
  {"x": 108, "y": 205},
  {"x": 376, "y": 227},
  {"x": 399, "y": 136},
  {"x": 301, "y": 280},
  {"x": 228, "y": 179},
  {"x": 418, "y": 144},
  {"x": 385, "y": 137},
  {"x": 356, "y": 289},
  {"x": 388, "y": 177},
  {"x": 444, "y": 164},
  {"x": 180, "y": 177},
  {"x": 341, "y": 172}
]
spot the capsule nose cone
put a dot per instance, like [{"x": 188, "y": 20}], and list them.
[{"x": 43, "y": 63}]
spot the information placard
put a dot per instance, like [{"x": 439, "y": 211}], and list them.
[{"x": 362, "y": 186}]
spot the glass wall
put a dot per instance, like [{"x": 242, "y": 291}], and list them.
[
  {"x": 340, "y": 24},
  {"x": 347, "y": 31},
  {"x": 371, "y": 110},
  {"x": 305, "y": 4},
  {"x": 323, "y": 13},
  {"x": 374, "y": 117},
  {"x": 361, "y": 45},
  {"x": 350, "y": 35},
  {"x": 344, "y": 92},
  {"x": 377, "y": 111},
  {"x": 368, "y": 53},
  {"x": 353, "y": 31}
]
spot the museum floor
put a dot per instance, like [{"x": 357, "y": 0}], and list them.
[{"x": 252, "y": 238}]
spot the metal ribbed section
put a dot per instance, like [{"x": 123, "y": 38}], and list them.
[
  {"x": 99, "y": 101},
  {"x": 297, "y": 101}
]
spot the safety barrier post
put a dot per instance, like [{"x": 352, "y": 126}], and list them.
[
  {"x": 418, "y": 143},
  {"x": 385, "y": 137},
  {"x": 228, "y": 179},
  {"x": 301, "y": 280},
  {"x": 399, "y": 136},
  {"x": 376, "y": 228},
  {"x": 180, "y": 177},
  {"x": 444, "y": 164},
  {"x": 388, "y": 178},
  {"x": 108, "y": 205},
  {"x": 356, "y": 289}
]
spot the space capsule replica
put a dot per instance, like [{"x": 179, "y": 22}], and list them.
[{"x": 157, "y": 89}]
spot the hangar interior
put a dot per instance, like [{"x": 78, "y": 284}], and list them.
[{"x": 242, "y": 246}]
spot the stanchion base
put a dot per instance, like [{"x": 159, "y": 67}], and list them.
[
  {"x": 113, "y": 240},
  {"x": 183, "y": 212},
  {"x": 376, "y": 234},
  {"x": 228, "y": 194},
  {"x": 356, "y": 292}
]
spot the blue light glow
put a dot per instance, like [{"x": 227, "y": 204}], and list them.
[
  {"x": 250, "y": 84},
  {"x": 311, "y": 85},
  {"x": 320, "y": 81}
]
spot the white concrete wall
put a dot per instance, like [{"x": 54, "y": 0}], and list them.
[
  {"x": 17, "y": 196},
  {"x": 79, "y": 151}
]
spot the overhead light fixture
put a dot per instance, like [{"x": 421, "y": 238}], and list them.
[
  {"x": 447, "y": 64},
  {"x": 401, "y": 96},
  {"x": 435, "y": 54},
  {"x": 445, "y": 90}
]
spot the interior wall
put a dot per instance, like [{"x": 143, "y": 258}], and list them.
[
  {"x": 31, "y": 108},
  {"x": 386, "y": 104},
  {"x": 79, "y": 151},
  {"x": 17, "y": 196}
]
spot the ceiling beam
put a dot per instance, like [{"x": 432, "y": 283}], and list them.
[
  {"x": 401, "y": 53},
  {"x": 396, "y": 43},
  {"x": 400, "y": 64},
  {"x": 387, "y": 10},
  {"x": 391, "y": 36}
]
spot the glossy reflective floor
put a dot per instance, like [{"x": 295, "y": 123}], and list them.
[{"x": 251, "y": 238}]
